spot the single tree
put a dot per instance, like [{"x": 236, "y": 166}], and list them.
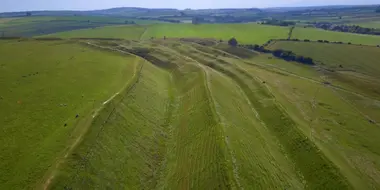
[{"x": 233, "y": 42}]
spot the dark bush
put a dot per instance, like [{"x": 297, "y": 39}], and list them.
[
  {"x": 306, "y": 40},
  {"x": 233, "y": 42}
]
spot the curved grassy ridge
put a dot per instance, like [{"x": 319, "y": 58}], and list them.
[
  {"x": 44, "y": 85},
  {"x": 196, "y": 117},
  {"x": 315, "y": 168},
  {"x": 130, "y": 130}
]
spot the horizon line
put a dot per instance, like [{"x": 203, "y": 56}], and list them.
[{"x": 280, "y": 7}]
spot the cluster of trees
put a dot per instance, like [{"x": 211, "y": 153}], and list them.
[
  {"x": 283, "y": 54},
  {"x": 160, "y": 19},
  {"x": 290, "y": 56},
  {"x": 347, "y": 28},
  {"x": 233, "y": 42},
  {"x": 130, "y": 22},
  {"x": 223, "y": 19},
  {"x": 276, "y": 22}
]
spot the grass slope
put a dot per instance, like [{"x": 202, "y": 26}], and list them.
[
  {"x": 44, "y": 85},
  {"x": 131, "y": 129},
  {"x": 319, "y": 34},
  {"x": 314, "y": 167},
  {"x": 210, "y": 117},
  {"x": 335, "y": 120},
  {"x": 358, "y": 66}
]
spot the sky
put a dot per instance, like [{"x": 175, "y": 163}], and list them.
[{"x": 30, "y": 5}]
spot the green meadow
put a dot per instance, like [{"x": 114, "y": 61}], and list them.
[{"x": 319, "y": 34}]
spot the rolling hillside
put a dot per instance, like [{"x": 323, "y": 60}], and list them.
[
  {"x": 197, "y": 117},
  {"x": 173, "y": 106}
]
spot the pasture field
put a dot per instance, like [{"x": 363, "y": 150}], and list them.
[
  {"x": 123, "y": 32},
  {"x": 357, "y": 66},
  {"x": 43, "y": 25},
  {"x": 319, "y": 34},
  {"x": 371, "y": 24},
  {"x": 362, "y": 59},
  {"x": 245, "y": 33},
  {"x": 44, "y": 86}
]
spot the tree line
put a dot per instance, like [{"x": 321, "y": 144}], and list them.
[
  {"x": 279, "y": 53},
  {"x": 276, "y": 22},
  {"x": 347, "y": 28}
]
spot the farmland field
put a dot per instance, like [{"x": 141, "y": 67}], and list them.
[
  {"x": 43, "y": 25},
  {"x": 124, "y": 32},
  {"x": 175, "y": 106},
  {"x": 319, "y": 34},
  {"x": 370, "y": 24},
  {"x": 358, "y": 68},
  {"x": 245, "y": 33}
]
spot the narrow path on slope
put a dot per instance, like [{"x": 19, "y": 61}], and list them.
[{"x": 84, "y": 125}]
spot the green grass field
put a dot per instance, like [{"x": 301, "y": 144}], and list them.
[
  {"x": 371, "y": 24},
  {"x": 245, "y": 33},
  {"x": 319, "y": 34},
  {"x": 124, "y": 32},
  {"x": 330, "y": 55},
  {"x": 44, "y": 85}
]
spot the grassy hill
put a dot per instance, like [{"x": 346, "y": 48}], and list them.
[
  {"x": 319, "y": 34},
  {"x": 188, "y": 111},
  {"x": 44, "y": 86},
  {"x": 198, "y": 117}
]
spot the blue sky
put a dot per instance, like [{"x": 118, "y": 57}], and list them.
[{"x": 27, "y": 5}]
